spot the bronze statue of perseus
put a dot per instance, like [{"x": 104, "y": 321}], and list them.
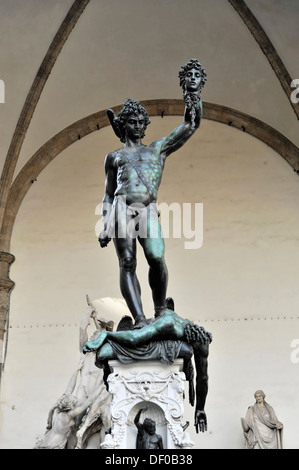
[{"x": 133, "y": 176}]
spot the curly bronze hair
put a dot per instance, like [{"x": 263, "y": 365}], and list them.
[{"x": 131, "y": 107}]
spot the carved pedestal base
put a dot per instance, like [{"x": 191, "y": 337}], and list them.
[{"x": 155, "y": 385}]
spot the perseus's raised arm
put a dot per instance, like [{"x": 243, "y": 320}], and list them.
[
  {"x": 192, "y": 79},
  {"x": 181, "y": 134}
]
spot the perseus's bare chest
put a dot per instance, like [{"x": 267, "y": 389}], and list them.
[{"x": 143, "y": 157}]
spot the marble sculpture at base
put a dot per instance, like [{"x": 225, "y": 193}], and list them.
[{"x": 157, "y": 386}]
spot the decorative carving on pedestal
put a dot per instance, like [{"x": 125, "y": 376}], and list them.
[{"x": 158, "y": 387}]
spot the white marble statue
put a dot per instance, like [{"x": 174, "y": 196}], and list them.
[
  {"x": 261, "y": 428},
  {"x": 81, "y": 416}
]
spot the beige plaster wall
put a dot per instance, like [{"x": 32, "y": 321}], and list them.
[{"x": 241, "y": 284}]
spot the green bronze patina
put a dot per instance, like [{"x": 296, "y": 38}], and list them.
[{"x": 133, "y": 176}]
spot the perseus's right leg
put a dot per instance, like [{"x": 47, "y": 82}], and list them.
[{"x": 129, "y": 284}]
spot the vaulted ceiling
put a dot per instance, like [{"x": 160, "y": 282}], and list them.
[{"x": 109, "y": 50}]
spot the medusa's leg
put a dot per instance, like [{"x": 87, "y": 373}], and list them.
[{"x": 96, "y": 343}]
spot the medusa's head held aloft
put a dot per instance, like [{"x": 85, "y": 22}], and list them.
[{"x": 192, "y": 65}]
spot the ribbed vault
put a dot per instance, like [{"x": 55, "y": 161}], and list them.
[
  {"x": 268, "y": 49},
  {"x": 33, "y": 97}
]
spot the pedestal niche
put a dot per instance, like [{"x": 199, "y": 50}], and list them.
[{"x": 150, "y": 384}]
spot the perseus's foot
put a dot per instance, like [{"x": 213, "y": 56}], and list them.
[
  {"x": 140, "y": 322},
  {"x": 159, "y": 310}
]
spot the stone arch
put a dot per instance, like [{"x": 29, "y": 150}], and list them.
[
  {"x": 33, "y": 97},
  {"x": 267, "y": 47}
]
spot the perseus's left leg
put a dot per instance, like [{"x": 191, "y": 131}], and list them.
[{"x": 154, "y": 251}]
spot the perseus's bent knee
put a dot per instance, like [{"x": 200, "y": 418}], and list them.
[{"x": 128, "y": 264}]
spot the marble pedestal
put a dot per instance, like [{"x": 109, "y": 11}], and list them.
[{"x": 158, "y": 386}]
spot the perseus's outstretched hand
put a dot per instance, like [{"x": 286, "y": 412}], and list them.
[{"x": 200, "y": 421}]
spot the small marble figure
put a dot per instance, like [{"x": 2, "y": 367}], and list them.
[{"x": 261, "y": 428}]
